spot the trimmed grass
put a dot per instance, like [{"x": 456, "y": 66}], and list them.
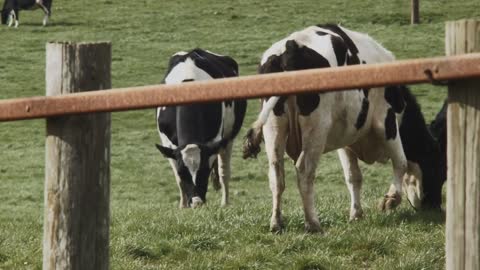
[{"x": 147, "y": 230}]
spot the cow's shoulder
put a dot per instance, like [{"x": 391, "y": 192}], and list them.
[{"x": 167, "y": 122}]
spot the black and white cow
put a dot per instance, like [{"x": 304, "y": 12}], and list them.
[
  {"x": 193, "y": 135},
  {"x": 360, "y": 124},
  {"x": 11, "y": 10}
]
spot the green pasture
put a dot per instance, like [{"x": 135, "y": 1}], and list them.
[{"x": 148, "y": 231}]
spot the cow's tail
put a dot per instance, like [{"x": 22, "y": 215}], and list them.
[{"x": 253, "y": 139}]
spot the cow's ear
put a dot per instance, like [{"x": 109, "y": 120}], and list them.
[
  {"x": 166, "y": 151},
  {"x": 214, "y": 148}
]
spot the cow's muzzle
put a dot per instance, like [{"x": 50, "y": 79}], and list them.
[{"x": 196, "y": 202}]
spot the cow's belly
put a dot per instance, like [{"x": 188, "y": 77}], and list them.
[{"x": 344, "y": 113}]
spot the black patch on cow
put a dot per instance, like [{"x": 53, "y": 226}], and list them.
[
  {"x": 188, "y": 80},
  {"x": 228, "y": 103},
  {"x": 366, "y": 91},
  {"x": 217, "y": 66},
  {"x": 394, "y": 97},
  {"x": 272, "y": 65},
  {"x": 239, "y": 112},
  {"x": 390, "y": 125},
  {"x": 340, "y": 49},
  {"x": 300, "y": 58},
  {"x": 167, "y": 123},
  {"x": 362, "y": 116},
  {"x": 436, "y": 165},
  {"x": 279, "y": 108},
  {"x": 307, "y": 103},
  {"x": 352, "y": 58}
]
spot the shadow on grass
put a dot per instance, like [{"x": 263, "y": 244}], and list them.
[
  {"x": 424, "y": 217},
  {"x": 141, "y": 253},
  {"x": 52, "y": 24},
  {"x": 3, "y": 258}
]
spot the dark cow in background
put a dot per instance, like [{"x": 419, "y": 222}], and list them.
[
  {"x": 362, "y": 124},
  {"x": 438, "y": 128},
  {"x": 193, "y": 135},
  {"x": 11, "y": 10}
]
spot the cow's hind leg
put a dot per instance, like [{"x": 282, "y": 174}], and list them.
[
  {"x": 275, "y": 135},
  {"x": 224, "y": 171},
  {"x": 353, "y": 179},
  {"x": 313, "y": 143}
]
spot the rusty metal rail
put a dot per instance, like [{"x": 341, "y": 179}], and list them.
[{"x": 319, "y": 80}]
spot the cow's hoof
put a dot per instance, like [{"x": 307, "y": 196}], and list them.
[
  {"x": 276, "y": 228},
  {"x": 313, "y": 227},
  {"x": 276, "y": 225},
  {"x": 356, "y": 214},
  {"x": 390, "y": 202},
  {"x": 224, "y": 204}
]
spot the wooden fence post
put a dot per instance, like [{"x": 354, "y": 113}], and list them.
[
  {"x": 463, "y": 189},
  {"x": 415, "y": 13},
  {"x": 77, "y": 171}
]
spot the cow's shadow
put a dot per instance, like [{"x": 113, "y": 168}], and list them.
[
  {"x": 423, "y": 217},
  {"x": 51, "y": 24}
]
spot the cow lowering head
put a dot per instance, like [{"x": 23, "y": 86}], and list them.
[
  {"x": 193, "y": 164},
  {"x": 423, "y": 180}
]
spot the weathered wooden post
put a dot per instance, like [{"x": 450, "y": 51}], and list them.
[
  {"x": 77, "y": 171},
  {"x": 415, "y": 13},
  {"x": 463, "y": 190}
]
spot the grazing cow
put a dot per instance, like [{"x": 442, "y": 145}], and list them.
[
  {"x": 362, "y": 124},
  {"x": 193, "y": 135},
  {"x": 11, "y": 10}
]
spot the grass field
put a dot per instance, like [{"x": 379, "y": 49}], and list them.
[{"x": 147, "y": 229}]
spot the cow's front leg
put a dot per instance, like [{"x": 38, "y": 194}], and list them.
[
  {"x": 394, "y": 195},
  {"x": 183, "y": 196},
  {"x": 353, "y": 179},
  {"x": 275, "y": 136},
  {"x": 224, "y": 158}
]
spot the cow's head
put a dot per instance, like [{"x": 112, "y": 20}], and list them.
[
  {"x": 423, "y": 180},
  {"x": 426, "y": 167},
  {"x": 193, "y": 164}
]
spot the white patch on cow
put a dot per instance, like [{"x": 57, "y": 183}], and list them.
[
  {"x": 186, "y": 70},
  {"x": 196, "y": 202},
  {"x": 212, "y": 53},
  {"x": 211, "y": 160},
  {"x": 191, "y": 159},
  {"x": 12, "y": 18},
  {"x": 180, "y": 53},
  {"x": 228, "y": 119}
]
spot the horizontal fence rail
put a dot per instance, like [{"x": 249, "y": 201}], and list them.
[{"x": 319, "y": 80}]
